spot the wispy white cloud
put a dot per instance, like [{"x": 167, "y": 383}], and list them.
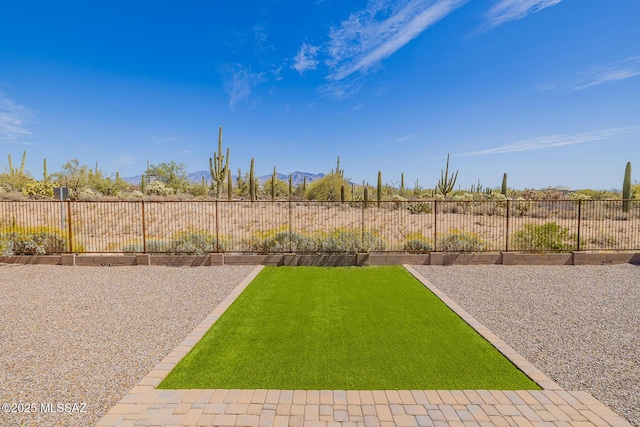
[
  {"x": 552, "y": 141},
  {"x": 614, "y": 71},
  {"x": 14, "y": 119},
  {"x": 239, "y": 81},
  {"x": 374, "y": 34},
  {"x": 306, "y": 58},
  {"x": 511, "y": 10}
]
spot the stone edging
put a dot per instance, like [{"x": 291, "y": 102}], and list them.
[{"x": 433, "y": 258}]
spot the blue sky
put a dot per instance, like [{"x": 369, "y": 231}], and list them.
[{"x": 545, "y": 90}]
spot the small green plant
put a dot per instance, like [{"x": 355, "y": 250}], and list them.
[
  {"x": 459, "y": 241},
  {"x": 549, "y": 236}
]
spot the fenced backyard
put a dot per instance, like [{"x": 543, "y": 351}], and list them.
[{"x": 45, "y": 227}]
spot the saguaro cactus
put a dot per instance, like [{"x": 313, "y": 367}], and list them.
[
  {"x": 252, "y": 183},
  {"x": 229, "y": 185},
  {"x": 143, "y": 184},
  {"x": 13, "y": 171},
  {"x": 626, "y": 188},
  {"x": 342, "y": 193},
  {"x": 273, "y": 184},
  {"x": 290, "y": 185},
  {"x": 504, "y": 184},
  {"x": 45, "y": 175},
  {"x": 217, "y": 170},
  {"x": 338, "y": 170},
  {"x": 447, "y": 182}
]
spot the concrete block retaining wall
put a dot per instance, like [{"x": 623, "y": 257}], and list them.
[{"x": 434, "y": 258}]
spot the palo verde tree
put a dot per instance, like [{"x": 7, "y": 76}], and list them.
[
  {"x": 328, "y": 187},
  {"x": 217, "y": 170},
  {"x": 447, "y": 182},
  {"x": 172, "y": 175}
]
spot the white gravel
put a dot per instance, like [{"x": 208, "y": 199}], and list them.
[
  {"x": 87, "y": 335},
  {"x": 580, "y": 325}
]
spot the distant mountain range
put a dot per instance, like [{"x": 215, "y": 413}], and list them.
[{"x": 296, "y": 177}]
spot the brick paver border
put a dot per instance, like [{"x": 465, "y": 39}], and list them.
[{"x": 145, "y": 405}]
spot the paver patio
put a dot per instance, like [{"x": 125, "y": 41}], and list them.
[{"x": 145, "y": 405}]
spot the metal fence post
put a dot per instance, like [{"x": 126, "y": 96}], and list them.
[
  {"x": 217, "y": 228},
  {"x": 579, "y": 217},
  {"x": 290, "y": 225},
  {"x": 435, "y": 225},
  {"x": 506, "y": 234},
  {"x": 364, "y": 203},
  {"x": 144, "y": 231},
  {"x": 70, "y": 232}
]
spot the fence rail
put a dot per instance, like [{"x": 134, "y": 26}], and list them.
[{"x": 36, "y": 227}]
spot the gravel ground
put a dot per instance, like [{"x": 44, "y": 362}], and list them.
[
  {"x": 580, "y": 325},
  {"x": 87, "y": 335}
]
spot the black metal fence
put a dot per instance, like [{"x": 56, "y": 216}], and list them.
[{"x": 34, "y": 227}]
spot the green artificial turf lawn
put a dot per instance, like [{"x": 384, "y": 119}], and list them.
[{"x": 342, "y": 328}]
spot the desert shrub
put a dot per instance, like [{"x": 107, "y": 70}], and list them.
[
  {"x": 17, "y": 240},
  {"x": 197, "y": 242},
  {"x": 580, "y": 196},
  {"x": 420, "y": 207},
  {"x": 328, "y": 188},
  {"x": 193, "y": 242},
  {"x": 464, "y": 201},
  {"x": 602, "y": 241},
  {"x": 199, "y": 190},
  {"x": 416, "y": 242},
  {"x": 38, "y": 189},
  {"x": 132, "y": 248},
  {"x": 281, "y": 187},
  {"x": 135, "y": 194},
  {"x": 345, "y": 240},
  {"x": 154, "y": 246},
  {"x": 398, "y": 201},
  {"x": 16, "y": 181},
  {"x": 283, "y": 242},
  {"x": 523, "y": 205},
  {"x": 543, "y": 237},
  {"x": 417, "y": 245},
  {"x": 157, "y": 188},
  {"x": 459, "y": 241}
]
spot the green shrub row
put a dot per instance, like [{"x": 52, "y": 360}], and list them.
[{"x": 17, "y": 240}]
